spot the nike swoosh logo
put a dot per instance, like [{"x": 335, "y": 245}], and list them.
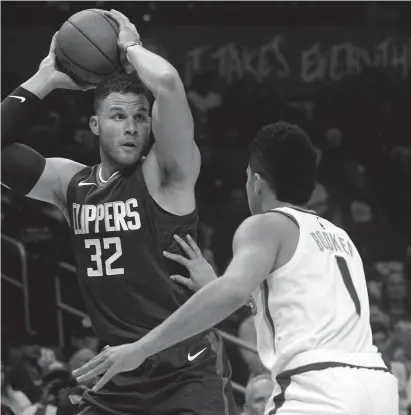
[
  {"x": 5, "y": 185},
  {"x": 87, "y": 184},
  {"x": 22, "y": 99},
  {"x": 191, "y": 358}
]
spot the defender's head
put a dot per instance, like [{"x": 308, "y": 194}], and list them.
[
  {"x": 122, "y": 121},
  {"x": 258, "y": 392},
  {"x": 283, "y": 166}
]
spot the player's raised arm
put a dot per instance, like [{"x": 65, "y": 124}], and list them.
[
  {"x": 24, "y": 170},
  {"x": 172, "y": 123}
]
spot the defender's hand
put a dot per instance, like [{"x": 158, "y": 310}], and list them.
[
  {"x": 52, "y": 76},
  {"x": 110, "y": 362},
  {"x": 201, "y": 272},
  {"x": 127, "y": 33}
]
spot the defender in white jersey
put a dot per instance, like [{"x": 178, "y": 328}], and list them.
[{"x": 307, "y": 281}]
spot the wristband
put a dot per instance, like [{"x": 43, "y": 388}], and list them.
[
  {"x": 16, "y": 112},
  {"x": 129, "y": 44}
]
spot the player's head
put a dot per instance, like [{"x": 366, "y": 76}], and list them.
[
  {"x": 402, "y": 334},
  {"x": 282, "y": 167},
  {"x": 379, "y": 335},
  {"x": 258, "y": 391},
  {"x": 121, "y": 119}
]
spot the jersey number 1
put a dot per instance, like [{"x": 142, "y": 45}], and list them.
[
  {"x": 345, "y": 273},
  {"x": 108, "y": 270}
]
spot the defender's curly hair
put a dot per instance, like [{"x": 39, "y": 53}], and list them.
[{"x": 283, "y": 155}]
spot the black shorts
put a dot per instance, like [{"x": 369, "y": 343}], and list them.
[{"x": 191, "y": 378}]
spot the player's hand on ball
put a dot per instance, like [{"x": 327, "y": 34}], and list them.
[
  {"x": 201, "y": 272},
  {"x": 57, "y": 79},
  {"x": 127, "y": 33},
  {"x": 110, "y": 362}
]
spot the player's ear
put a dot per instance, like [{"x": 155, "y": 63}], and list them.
[
  {"x": 93, "y": 123},
  {"x": 258, "y": 183}
]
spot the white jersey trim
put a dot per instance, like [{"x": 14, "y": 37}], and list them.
[
  {"x": 299, "y": 251},
  {"x": 369, "y": 360}
]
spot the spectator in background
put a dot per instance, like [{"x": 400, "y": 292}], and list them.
[
  {"x": 258, "y": 391},
  {"x": 83, "y": 337},
  {"x": 15, "y": 400},
  {"x": 55, "y": 384},
  {"x": 395, "y": 298},
  {"x": 377, "y": 315},
  {"x": 402, "y": 335},
  {"x": 80, "y": 358},
  {"x": 397, "y": 187},
  {"x": 25, "y": 371},
  {"x": 402, "y": 338},
  {"x": 388, "y": 348}
]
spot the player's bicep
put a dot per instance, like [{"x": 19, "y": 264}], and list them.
[
  {"x": 27, "y": 172},
  {"x": 255, "y": 248},
  {"x": 173, "y": 129},
  {"x": 47, "y": 187},
  {"x": 53, "y": 183}
]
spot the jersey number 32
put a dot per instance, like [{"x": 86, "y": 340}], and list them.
[{"x": 107, "y": 267}]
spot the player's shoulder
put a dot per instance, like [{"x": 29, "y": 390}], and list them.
[{"x": 265, "y": 226}]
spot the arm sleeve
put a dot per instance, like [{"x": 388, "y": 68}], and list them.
[
  {"x": 17, "y": 112},
  {"x": 21, "y": 166}
]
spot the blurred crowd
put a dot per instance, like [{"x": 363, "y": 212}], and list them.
[{"x": 361, "y": 128}]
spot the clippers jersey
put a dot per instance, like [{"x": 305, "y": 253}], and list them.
[
  {"x": 315, "y": 308},
  {"x": 118, "y": 233}
]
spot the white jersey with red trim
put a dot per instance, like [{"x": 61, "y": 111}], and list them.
[{"x": 315, "y": 308}]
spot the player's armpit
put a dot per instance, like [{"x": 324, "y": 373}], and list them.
[
  {"x": 53, "y": 183},
  {"x": 173, "y": 128}
]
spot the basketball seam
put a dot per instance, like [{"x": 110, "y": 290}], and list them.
[
  {"x": 75, "y": 63},
  {"x": 111, "y": 23},
  {"x": 115, "y": 66}
]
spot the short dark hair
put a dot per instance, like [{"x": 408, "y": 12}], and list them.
[
  {"x": 284, "y": 155},
  {"x": 122, "y": 83}
]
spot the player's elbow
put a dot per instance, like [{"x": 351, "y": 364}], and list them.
[
  {"x": 235, "y": 292},
  {"x": 170, "y": 80}
]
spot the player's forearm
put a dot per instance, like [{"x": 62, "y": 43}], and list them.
[
  {"x": 21, "y": 107},
  {"x": 206, "y": 308},
  {"x": 153, "y": 70},
  {"x": 38, "y": 86}
]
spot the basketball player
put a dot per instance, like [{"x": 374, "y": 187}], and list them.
[
  {"x": 307, "y": 280},
  {"x": 123, "y": 213}
]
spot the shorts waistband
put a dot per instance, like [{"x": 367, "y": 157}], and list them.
[{"x": 322, "y": 359}]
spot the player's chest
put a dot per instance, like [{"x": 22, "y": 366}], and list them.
[{"x": 104, "y": 211}]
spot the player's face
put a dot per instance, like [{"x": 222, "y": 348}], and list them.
[
  {"x": 251, "y": 195},
  {"x": 396, "y": 288},
  {"x": 259, "y": 396},
  {"x": 379, "y": 339},
  {"x": 123, "y": 126}
]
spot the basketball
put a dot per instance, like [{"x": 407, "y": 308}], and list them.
[{"x": 86, "y": 47}]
